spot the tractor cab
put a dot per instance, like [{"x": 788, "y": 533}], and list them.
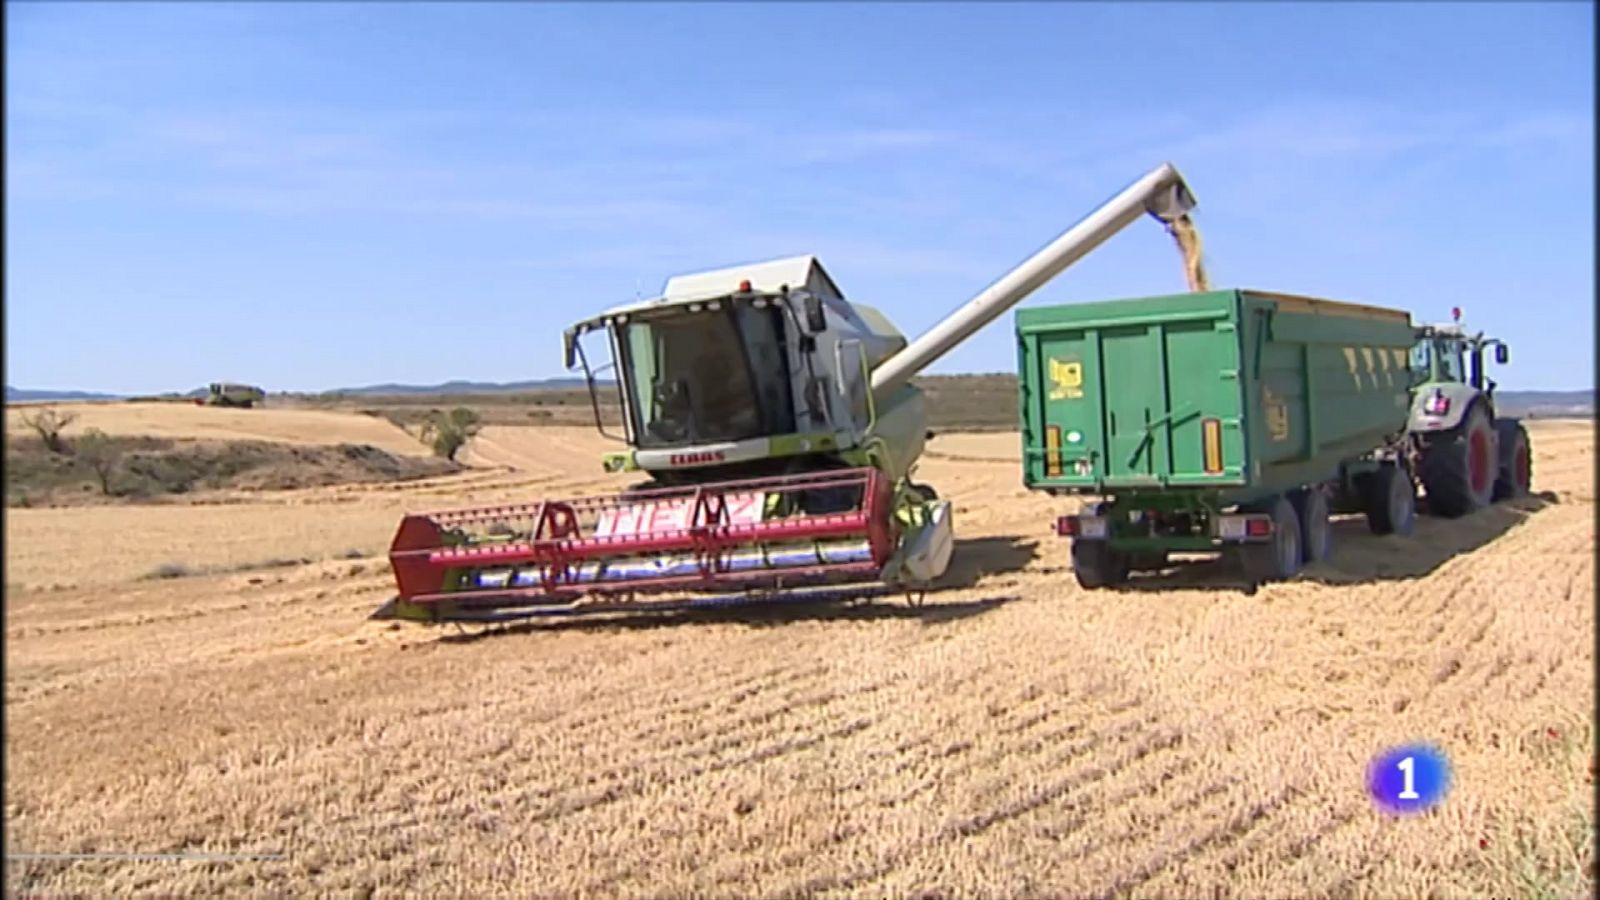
[{"x": 1448, "y": 354}]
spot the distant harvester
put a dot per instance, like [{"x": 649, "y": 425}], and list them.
[{"x": 238, "y": 395}]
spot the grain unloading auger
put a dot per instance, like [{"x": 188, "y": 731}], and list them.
[{"x": 779, "y": 430}]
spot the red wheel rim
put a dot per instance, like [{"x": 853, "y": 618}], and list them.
[
  {"x": 1520, "y": 472},
  {"x": 1478, "y": 461}
]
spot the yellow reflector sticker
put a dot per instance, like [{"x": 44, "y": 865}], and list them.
[
  {"x": 1052, "y": 448},
  {"x": 1211, "y": 443}
]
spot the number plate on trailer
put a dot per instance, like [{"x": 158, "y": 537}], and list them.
[
  {"x": 674, "y": 515},
  {"x": 1092, "y": 526}
]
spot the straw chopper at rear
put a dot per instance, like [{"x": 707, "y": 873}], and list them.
[{"x": 779, "y": 430}]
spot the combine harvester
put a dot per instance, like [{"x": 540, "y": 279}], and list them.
[{"x": 779, "y": 428}]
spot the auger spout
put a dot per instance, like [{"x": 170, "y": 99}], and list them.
[{"x": 1161, "y": 193}]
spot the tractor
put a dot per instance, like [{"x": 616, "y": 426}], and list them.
[{"x": 1465, "y": 455}]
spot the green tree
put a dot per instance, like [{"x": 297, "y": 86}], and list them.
[{"x": 448, "y": 432}]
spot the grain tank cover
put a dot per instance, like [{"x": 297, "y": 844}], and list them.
[{"x": 795, "y": 272}]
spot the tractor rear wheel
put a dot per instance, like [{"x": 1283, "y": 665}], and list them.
[
  {"x": 1277, "y": 558},
  {"x": 1458, "y": 469},
  {"x": 1316, "y": 532},
  {"x": 1391, "y": 501},
  {"x": 1097, "y": 565},
  {"x": 1515, "y": 478}
]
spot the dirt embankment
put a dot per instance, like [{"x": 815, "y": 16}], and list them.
[{"x": 140, "y": 468}]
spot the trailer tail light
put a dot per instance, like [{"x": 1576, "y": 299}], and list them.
[
  {"x": 1211, "y": 443},
  {"x": 1052, "y": 451},
  {"x": 1437, "y": 404},
  {"x": 1244, "y": 527},
  {"x": 1085, "y": 527}
]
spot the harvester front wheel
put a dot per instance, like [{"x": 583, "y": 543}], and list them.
[
  {"x": 1458, "y": 469},
  {"x": 1277, "y": 558},
  {"x": 1097, "y": 565},
  {"x": 1515, "y": 478},
  {"x": 1391, "y": 501},
  {"x": 1311, "y": 507}
]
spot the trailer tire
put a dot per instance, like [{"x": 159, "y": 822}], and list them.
[
  {"x": 1097, "y": 565},
  {"x": 1459, "y": 469},
  {"x": 1515, "y": 477},
  {"x": 1316, "y": 532},
  {"x": 1391, "y": 501},
  {"x": 1278, "y": 558}
]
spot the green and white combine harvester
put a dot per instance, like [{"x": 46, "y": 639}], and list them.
[{"x": 776, "y": 432}]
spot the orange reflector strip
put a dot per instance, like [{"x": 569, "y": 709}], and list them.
[
  {"x": 1052, "y": 454},
  {"x": 1211, "y": 443}
]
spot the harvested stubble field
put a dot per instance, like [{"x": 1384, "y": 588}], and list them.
[{"x": 1015, "y": 736}]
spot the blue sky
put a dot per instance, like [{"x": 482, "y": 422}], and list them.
[{"x": 310, "y": 195}]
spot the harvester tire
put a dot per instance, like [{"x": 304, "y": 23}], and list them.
[
  {"x": 1316, "y": 532},
  {"x": 1459, "y": 468},
  {"x": 1097, "y": 565},
  {"x": 1391, "y": 501},
  {"x": 1515, "y": 478},
  {"x": 1278, "y": 558}
]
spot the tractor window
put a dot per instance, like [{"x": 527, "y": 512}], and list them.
[
  {"x": 1450, "y": 365},
  {"x": 1422, "y": 358}
]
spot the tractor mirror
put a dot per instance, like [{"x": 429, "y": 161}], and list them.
[
  {"x": 1502, "y": 354},
  {"x": 815, "y": 321}
]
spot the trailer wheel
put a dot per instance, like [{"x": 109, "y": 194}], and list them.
[
  {"x": 1391, "y": 500},
  {"x": 1097, "y": 565},
  {"x": 1311, "y": 506},
  {"x": 1279, "y": 557},
  {"x": 1515, "y": 478},
  {"x": 1458, "y": 469}
]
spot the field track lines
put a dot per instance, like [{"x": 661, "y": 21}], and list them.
[
  {"x": 1235, "y": 828},
  {"x": 1290, "y": 849},
  {"x": 632, "y": 776},
  {"x": 1032, "y": 799},
  {"x": 1029, "y": 799}
]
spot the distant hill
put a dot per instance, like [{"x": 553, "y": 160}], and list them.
[
  {"x": 31, "y": 395},
  {"x": 461, "y": 387},
  {"x": 1546, "y": 403}
]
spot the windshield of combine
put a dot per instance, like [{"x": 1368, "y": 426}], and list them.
[{"x": 707, "y": 376}]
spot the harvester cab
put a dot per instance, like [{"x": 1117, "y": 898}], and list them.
[
  {"x": 776, "y": 429},
  {"x": 1466, "y": 456}
]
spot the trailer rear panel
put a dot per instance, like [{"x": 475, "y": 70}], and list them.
[{"x": 1234, "y": 390}]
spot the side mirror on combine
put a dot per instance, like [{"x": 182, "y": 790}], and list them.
[{"x": 1502, "y": 354}]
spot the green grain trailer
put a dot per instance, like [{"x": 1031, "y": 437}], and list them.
[{"x": 1224, "y": 421}]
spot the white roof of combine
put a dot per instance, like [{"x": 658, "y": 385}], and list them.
[
  {"x": 766, "y": 277},
  {"x": 795, "y": 271}
]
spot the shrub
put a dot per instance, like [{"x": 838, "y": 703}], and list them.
[
  {"x": 49, "y": 424},
  {"x": 101, "y": 455},
  {"x": 448, "y": 432}
]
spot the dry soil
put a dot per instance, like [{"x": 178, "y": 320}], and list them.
[{"x": 1014, "y": 736}]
